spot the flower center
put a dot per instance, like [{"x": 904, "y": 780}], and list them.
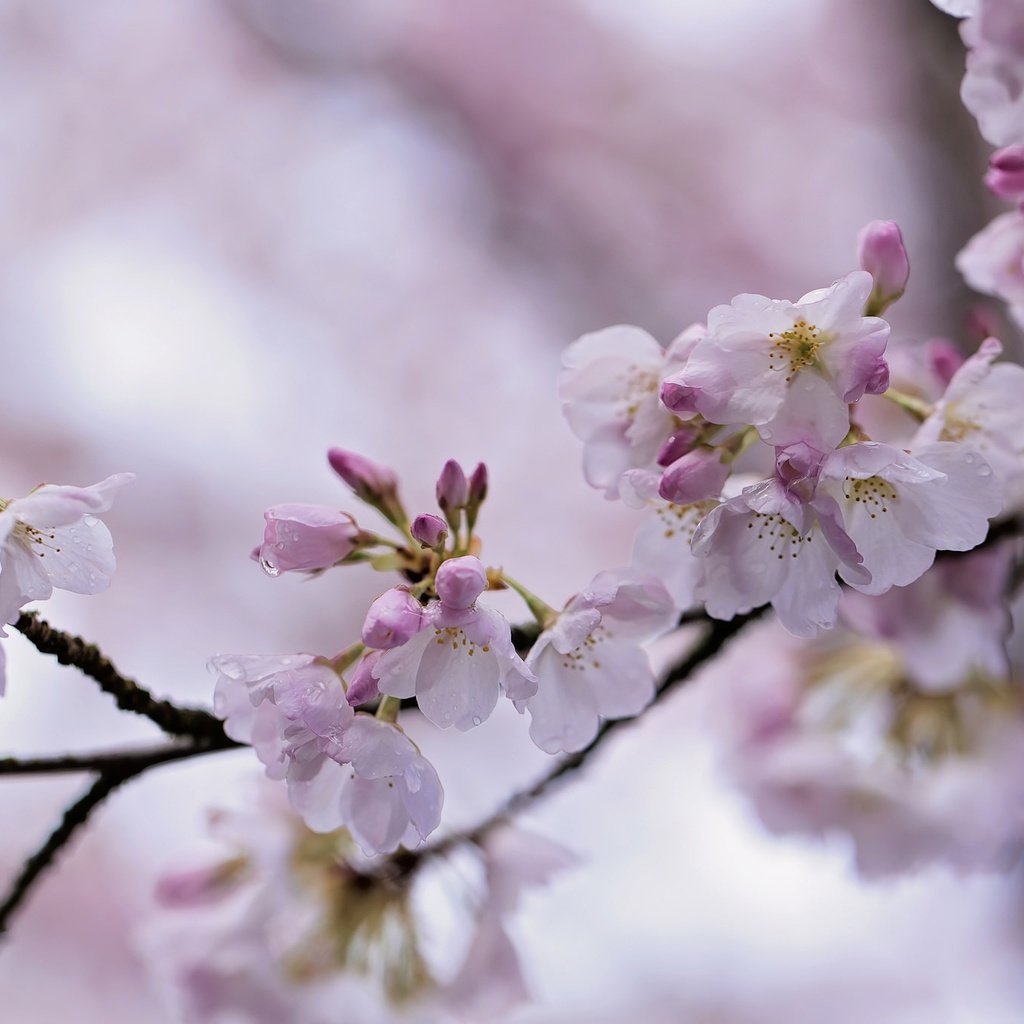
[
  {"x": 796, "y": 349},
  {"x": 779, "y": 532},
  {"x": 874, "y": 493},
  {"x": 455, "y": 636},
  {"x": 683, "y": 520},
  {"x": 586, "y": 655},
  {"x": 640, "y": 385}
]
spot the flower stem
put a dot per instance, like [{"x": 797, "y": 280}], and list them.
[
  {"x": 388, "y": 708},
  {"x": 916, "y": 407},
  {"x": 542, "y": 612}
]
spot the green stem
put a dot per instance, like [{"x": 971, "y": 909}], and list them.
[
  {"x": 387, "y": 710},
  {"x": 542, "y": 612},
  {"x": 916, "y": 407}
]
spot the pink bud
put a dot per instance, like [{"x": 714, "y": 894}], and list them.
[
  {"x": 369, "y": 480},
  {"x": 679, "y": 397},
  {"x": 392, "y": 619},
  {"x": 678, "y": 445},
  {"x": 698, "y": 476},
  {"x": 305, "y": 537},
  {"x": 881, "y": 252},
  {"x": 878, "y": 380},
  {"x": 1006, "y": 173},
  {"x": 362, "y": 687},
  {"x": 944, "y": 358},
  {"x": 460, "y": 581},
  {"x": 478, "y": 485},
  {"x": 194, "y": 887},
  {"x": 429, "y": 530},
  {"x": 452, "y": 487}
]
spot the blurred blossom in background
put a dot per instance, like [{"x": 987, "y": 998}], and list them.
[{"x": 235, "y": 233}]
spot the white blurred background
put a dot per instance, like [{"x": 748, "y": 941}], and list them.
[{"x": 234, "y": 233}]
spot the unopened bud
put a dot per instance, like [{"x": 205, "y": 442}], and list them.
[
  {"x": 392, "y": 619},
  {"x": 363, "y": 687},
  {"x": 883, "y": 255},
  {"x": 1005, "y": 175},
  {"x": 478, "y": 485},
  {"x": 944, "y": 358},
  {"x": 679, "y": 397},
  {"x": 460, "y": 581},
  {"x": 304, "y": 537},
  {"x": 371, "y": 482},
  {"x": 698, "y": 476},
  {"x": 429, "y": 530},
  {"x": 452, "y": 487},
  {"x": 678, "y": 445}
]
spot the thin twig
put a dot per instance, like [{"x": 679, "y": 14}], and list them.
[{"x": 68, "y": 649}]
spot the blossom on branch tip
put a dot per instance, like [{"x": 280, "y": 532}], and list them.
[
  {"x": 590, "y": 664},
  {"x": 429, "y": 530},
  {"x": 760, "y": 355},
  {"x": 305, "y": 537},
  {"x": 372, "y": 483},
  {"x": 50, "y": 539}
]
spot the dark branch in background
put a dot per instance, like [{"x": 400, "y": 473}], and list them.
[
  {"x": 74, "y": 816},
  {"x": 128, "y": 695}
]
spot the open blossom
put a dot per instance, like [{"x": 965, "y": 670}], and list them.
[
  {"x": 759, "y": 352},
  {"x": 609, "y": 389},
  {"x": 993, "y": 87},
  {"x": 590, "y": 664},
  {"x": 982, "y": 409},
  {"x": 993, "y": 261},
  {"x": 305, "y": 537},
  {"x": 462, "y": 659},
  {"x": 50, "y": 539},
  {"x": 872, "y": 512},
  {"x": 341, "y": 768},
  {"x": 662, "y": 544}
]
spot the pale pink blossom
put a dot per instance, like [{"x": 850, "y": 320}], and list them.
[
  {"x": 489, "y": 983},
  {"x": 50, "y": 539},
  {"x": 305, "y": 537},
  {"x": 759, "y": 353},
  {"x": 609, "y": 387},
  {"x": 697, "y": 476},
  {"x": 982, "y": 409},
  {"x": 462, "y": 659},
  {"x": 993, "y": 87},
  {"x": 661, "y": 547},
  {"x": 590, "y": 664},
  {"x": 958, "y": 8},
  {"x": 992, "y": 262}
]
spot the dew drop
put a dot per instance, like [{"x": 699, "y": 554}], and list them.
[
  {"x": 413, "y": 781},
  {"x": 969, "y": 457},
  {"x": 268, "y": 567},
  {"x": 477, "y": 720},
  {"x": 985, "y": 470},
  {"x": 279, "y": 545}
]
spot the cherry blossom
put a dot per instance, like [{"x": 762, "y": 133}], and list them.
[
  {"x": 50, "y": 539},
  {"x": 305, "y": 537},
  {"x": 462, "y": 659},
  {"x": 993, "y": 261},
  {"x": 590, "y": 664},
  {"x": 609, "y": 388},
  {"x": 982, "y": 408},
  {"x": 759, "y": 352},
  {"x": 993, "y": 88}
]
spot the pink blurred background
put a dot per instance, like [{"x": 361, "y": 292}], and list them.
[{"x": 235, "y": 233}]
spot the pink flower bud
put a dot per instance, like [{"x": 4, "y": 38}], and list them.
[
  {"x": 452, "y": 487},
  {"x": 944, "y": 358},
  {"x": 368, "y": 480},
  {"x": 300, "y": 537},
  {"x": 1005, "y": 175},
  {"x": 429, "y": 530},
  {"x": 680, "y": 398},
  {"x": 478, "y": 485},
  {"x": 362, "y": 687},
  {"x": 679, "y": 444},
  {"x": 392, "y": 619},
  {"x": 882, "y": 254},
  {"x": 195, "y": 887},
  {"x": 877, "y": 382},
  {"x": 698, "y": 476},
  {"x": 460, "y": 581}
]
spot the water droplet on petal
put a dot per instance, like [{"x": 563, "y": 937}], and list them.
[
  {"x": 969, "y": 457},
  {"x": 984, "y": 470},
  {"x": 279, "y": 546},
  {"x": 268, "y": 567},
  {"x": 412, "y": 780},
  {"x": 477, "y": 720}
]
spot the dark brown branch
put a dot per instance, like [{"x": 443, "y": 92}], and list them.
[
  {"x": 128, "y": 695},
  {"x": 75, "y": 816}
]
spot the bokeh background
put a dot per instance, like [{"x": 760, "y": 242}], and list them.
[{"x": 235, "y": 232}]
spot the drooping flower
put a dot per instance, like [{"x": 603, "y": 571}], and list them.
[
  {"x": 609, "y": 389},
  {"x": 590, "y": 664},
  {"x": 759, "y": 353},
  {"x": 50, "y": 539},
  {"x": 993, "y": 261},
  {"x": 305, "y": 537},
  {"x": 341, "y": 768},
  {"x": 462, "y": 659},
  {"x": 982, "y": 409}
]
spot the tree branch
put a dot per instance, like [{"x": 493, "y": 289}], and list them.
[{"x": 68, "y": 649}]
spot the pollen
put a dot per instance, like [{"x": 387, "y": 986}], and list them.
[
  {"x": 874, "y": 493},
  {"x": 779, "y": 534},
  {"x": 796, "y": 349}
]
